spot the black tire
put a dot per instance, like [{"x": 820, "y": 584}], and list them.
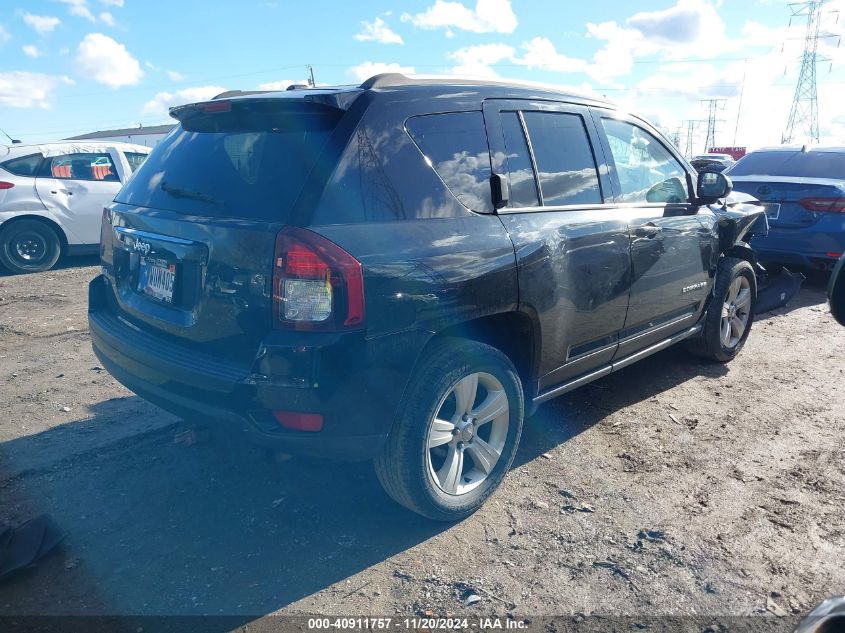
[
  {"x": 710, "y": 344},
  {"x": 29, "y": 246},
  {"x": 403, "y": 467}
]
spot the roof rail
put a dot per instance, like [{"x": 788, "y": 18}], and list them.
[
  {"x": 390, "y": 80},
  {"x": 384, "y": 80},
  {"x": 240, "y": 93}
]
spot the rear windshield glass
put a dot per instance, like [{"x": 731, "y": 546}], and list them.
[
  {"x": 246, "y": 160},
  {"x": 792, "y": 165}
]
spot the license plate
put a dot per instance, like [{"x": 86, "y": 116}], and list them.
[
  {"x": 156, "y": 278},
  {"x": 772, "y": 211}
]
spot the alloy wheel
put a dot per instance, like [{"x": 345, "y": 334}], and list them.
[
  {"x": 735, "y": 312},
  {"x": 467, "y": 435}
]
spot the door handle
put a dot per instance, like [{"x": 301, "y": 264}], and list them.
[
  {"x": 647, "y": 230},
  {"x": 70, "y": 193}
]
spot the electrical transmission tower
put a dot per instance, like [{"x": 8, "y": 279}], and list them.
[
  {"x": 713, "y": 107},
  {"x": 692, "y": 125},
  {"x": 804, "y": 114}
]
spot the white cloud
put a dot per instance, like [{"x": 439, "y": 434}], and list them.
[
  {"x": 151, "y": 66},
  {"x": 689, "y": 28},
  {"x": 43, "y": 24},
  {"x": 280, "y": 85},
  {"x": 477, "y": 61},
  {"x": 368, "y": 69},
  {"x": 80, "y": 9},
  {"x": 541, "y": 53},
  {"x": 163, "y": 101},
  {"x": 29, "y": 90},
  {"x": 31, "y": 51},
  {"x": 107, "y": 18},
  {"x": 378, "y": 31},
  {"x": 4, "y": 35},
  {"x": 489, "y": 16},
  {"x": 174, "y": 76},
  {"x": 107, "y": 62},
  {"x": 112, "y": 3}
]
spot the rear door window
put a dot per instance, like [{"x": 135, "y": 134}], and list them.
[
  {"x": 455, "y": 145},
  {"x": 249, "y": 159},
  {"x": 566, "y": 167},
  {"x": 23, "y": 166},
  {"x": 523, "y": 186},
  {"x": 647, "y": 171},
  {"x": 97, "y": 166}
]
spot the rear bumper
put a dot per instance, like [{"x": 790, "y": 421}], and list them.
[
  {"x": 818, "y": 246},
  {"x": 358, "y": 405}
]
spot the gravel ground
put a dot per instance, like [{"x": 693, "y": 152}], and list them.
[{"x": 674, "y": 487}]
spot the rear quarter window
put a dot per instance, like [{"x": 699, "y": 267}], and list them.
[
  {"x": 23, "y": 166},
  {"x": 455, "y": 145},
  {"x": 135, "y": 159}
]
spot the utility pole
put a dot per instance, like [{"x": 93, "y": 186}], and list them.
[
  {"x": 804, "y": 113},
  {"x": 741, "y": 95},
  {"x": 311, "y": 82},
  {"x": 713, "y": 106}
]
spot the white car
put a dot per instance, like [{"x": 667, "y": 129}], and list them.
[{"x": 52, "y": 197}]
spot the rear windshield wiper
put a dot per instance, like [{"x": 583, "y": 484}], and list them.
[{"x": 176, "y": 192}]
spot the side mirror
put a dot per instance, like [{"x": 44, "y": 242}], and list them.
[
  {"x": 713, "y": 186},
  {"x": 499, "y": 191},
  {"x": 836, "y": 291}
]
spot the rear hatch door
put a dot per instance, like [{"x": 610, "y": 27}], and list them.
[{"x": 189, "y": 242}]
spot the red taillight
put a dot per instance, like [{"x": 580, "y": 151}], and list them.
[
  {"x": 828, "y": 205},
  {"x": 303, "y": 263},
  {"x": 6, "y": 185},
  {"x": 312, "y": 422},
  {"x": 836, "y": 255},
  {"x": 316, "y": 284}
]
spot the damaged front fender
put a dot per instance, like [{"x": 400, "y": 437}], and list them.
[{"x": 740, "y": 218}]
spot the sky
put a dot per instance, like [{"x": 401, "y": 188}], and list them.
[{"x": 68, "y": 67}]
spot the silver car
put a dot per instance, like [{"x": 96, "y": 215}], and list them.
[{"x": 52, "y": 197}]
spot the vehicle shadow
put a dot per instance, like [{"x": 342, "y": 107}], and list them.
[
  {"x": 155, "y": 527},
  {"x": 75, "y": 261},
  {"x": 565, "y": 417}
]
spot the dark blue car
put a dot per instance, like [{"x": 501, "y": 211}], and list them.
[{"x": 803, "y": 190}]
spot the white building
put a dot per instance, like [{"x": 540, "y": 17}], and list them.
[{"x": 147, "y": 136}]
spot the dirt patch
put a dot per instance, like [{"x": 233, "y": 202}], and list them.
[{"x": 673, "y": 487}]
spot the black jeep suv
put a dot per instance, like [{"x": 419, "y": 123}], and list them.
[{"x": 405, "y": 269}]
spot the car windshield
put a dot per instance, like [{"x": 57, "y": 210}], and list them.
[
  {"x": 246, "y": 160},
  {"x": 797, "y": 164}
]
